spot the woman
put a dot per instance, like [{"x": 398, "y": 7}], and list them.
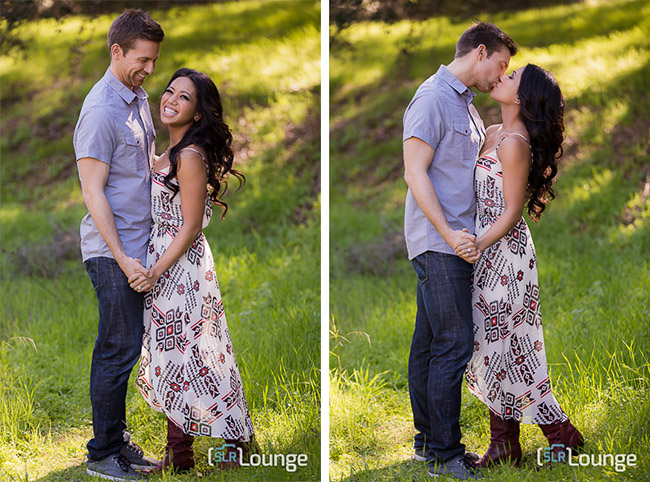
[
  {"x": 508, "y": 370},
  {"x": 188, "y": 368}
]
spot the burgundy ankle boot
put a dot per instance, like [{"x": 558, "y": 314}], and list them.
[
  {"x": 564, "y": 433},
  {"x": 504, "y": 443},
  {"x": 179, "y": 453}
]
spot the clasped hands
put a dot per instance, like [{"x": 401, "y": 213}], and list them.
[
  {"x": 466, "y": 246},
  {"x": 140, "y": 278}
]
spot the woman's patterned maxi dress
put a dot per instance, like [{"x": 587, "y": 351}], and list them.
[
  {"x": 508, "y": 369},
  {"x": 188, "y": 368}
]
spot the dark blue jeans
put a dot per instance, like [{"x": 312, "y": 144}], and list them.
[
  {"x": 442, "y": 346},
  {"x": 117, "y": 348}
]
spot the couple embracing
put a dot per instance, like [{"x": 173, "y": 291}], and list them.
[
  {"x": 478, "y": 308},
  {"x": 148, "y": 260}
]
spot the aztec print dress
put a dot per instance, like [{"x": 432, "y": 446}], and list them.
[
  {"x": 508, "y": 369},
  {"x": 187, "y": 367}
]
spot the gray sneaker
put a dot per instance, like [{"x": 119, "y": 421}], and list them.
[
  {"x": 459, "y": 467},
  {"x": 472, "y": 457},
  {"x": 113, "y": 467},
  {"x": 135, "y": 455},
  {"x": 418, "y": 456}
]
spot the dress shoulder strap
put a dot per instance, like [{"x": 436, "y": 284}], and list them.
[
  {"x": 517, "y": 134},
  {"x": 195, "y": 150}
]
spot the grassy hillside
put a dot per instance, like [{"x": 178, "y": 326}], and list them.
[
  {"x": 593, "y": 243},
  {"x": 265, "y": 59}
]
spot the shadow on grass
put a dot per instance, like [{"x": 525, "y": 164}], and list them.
[
  {"x": 526, "y": 28},
  {"x": 405, "y": 470},
  {"x": 76, "y": 473},
  {"x": 276, "y": 24},
  {"x": 595, "y": 21}
]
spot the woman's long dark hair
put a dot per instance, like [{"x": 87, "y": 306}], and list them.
[
  {"x": 212, "y": 134},
  {"x": 542, "y": 109}
]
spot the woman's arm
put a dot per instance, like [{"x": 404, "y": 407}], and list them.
[
  {"x": 514, "y": 155},
  {"x": 192, "y": 180}
]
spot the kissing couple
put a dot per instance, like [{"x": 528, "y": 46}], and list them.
[{"x": 478, "y": 296}]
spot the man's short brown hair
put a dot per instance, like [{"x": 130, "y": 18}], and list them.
[
  {"x": 133, "y": 24},
  {"x": 487, "y": 34}
]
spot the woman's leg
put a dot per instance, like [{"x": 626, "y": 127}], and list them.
[
  {"x": 179, "y": 452},
  {"x": 504, "y": 442},
  {"x": 563, "y": 433}
]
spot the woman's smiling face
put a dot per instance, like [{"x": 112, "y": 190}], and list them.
[{"x": 178, "y": 102}]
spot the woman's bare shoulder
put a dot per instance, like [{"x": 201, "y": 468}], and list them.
[
  {"x": 514, "y": 149},
  {"x": 192, "y": 151}
]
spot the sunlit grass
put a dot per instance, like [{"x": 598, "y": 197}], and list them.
[
  {"x": 592, "y": 243},
  {"x": 593, "y": 64},
  {"x": 264, "y": 58}
]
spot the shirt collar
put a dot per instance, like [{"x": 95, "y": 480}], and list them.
[
  {"x": 454, "y": 83},
  {"x": 122, "y": 90}
]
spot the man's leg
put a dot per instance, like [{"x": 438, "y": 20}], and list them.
[
  {"x": 117, "y": 348},
  {"x": 447, "y": 301},
  {"x": 418, "y": 368}
]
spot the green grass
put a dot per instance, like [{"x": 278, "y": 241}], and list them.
[
  {"x": 593, "y": 243},
  {"x": 265, "y": 59}
]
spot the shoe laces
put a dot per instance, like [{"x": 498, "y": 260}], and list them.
[
  {"x": 467, "y": 464},
  {"x": 122, "y": 462},
  {"x": 134, "y": 447}
]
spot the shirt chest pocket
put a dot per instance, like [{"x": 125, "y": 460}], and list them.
[
  {"x": 135, "y": 150},
  {"x": 462, "y": 138},
  {"x": 462, "y": 128},
  {"x": 134, "y": 141}
]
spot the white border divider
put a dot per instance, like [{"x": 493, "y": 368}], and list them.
[{"x": 325, "y": 245}]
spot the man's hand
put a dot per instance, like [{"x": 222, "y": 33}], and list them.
[
  {"x": 131, "y": 266},
  {"x": 142, "y": 281},
  {"x": 465, "y": 245}
]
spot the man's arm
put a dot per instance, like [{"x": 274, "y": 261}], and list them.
[
  {"x": 94, "y": 174},
  {"x": 418, "y": 156}
]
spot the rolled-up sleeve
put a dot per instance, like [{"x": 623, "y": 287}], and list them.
[
  {"x": 423, "y": 119},
  {"x": 95, "y": 135}
]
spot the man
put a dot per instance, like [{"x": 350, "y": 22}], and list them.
[
  {"x": 114, "y": 146},
  {"x": 442, "y": 137}
]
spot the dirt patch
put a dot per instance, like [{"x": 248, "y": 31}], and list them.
[
  {"x": 375, "y": 258},
  {"x": 631, "y": 214},
  {"x": 304, "y": 144},
  {"x": 46, "y": 260}
]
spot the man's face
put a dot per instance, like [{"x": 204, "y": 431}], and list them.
[
  {"x": 490, "y": 69},
  {"x": 132, "y": 67},
  {"x": 505, "y": 91}
]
